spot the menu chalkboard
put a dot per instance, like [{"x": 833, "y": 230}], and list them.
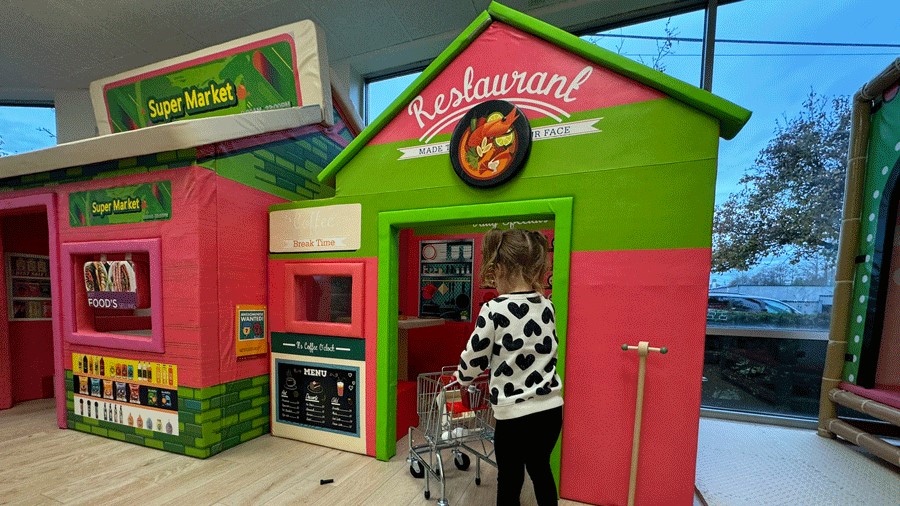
[{"x": 319, "y": 396}]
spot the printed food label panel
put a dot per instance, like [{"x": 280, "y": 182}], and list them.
[{"x": 126, "y": 392}]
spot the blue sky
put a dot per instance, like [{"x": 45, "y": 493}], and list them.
[{"x": 20, "y": 129}]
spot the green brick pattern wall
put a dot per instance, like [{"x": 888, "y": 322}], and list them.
[
  {"x": 287, "y": 168},
  {"x": 210, "y": 420}
]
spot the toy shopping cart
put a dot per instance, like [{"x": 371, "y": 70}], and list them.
[{"x": 450, "y": 418}]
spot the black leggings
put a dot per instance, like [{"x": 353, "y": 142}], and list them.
[{"x": 526, "y": 442}]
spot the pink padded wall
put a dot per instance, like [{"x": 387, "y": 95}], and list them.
[
  {"x": 634, "y": 294},
  {"x": 241, "y": 242},
  {"x": 30, "y": 342},
  {"x": 185, "y": 271},
  {"x": 888, "y": 368},
  {"x": 38, "y": 200}
]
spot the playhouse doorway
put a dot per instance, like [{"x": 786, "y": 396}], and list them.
[
  {"x": 881, "y": 338},
  {"x": 439, "y": 296},
  {"x": 30, "y": 344},
  {"x": 403, "y": 235}
]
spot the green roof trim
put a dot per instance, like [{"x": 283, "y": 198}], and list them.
[
  {"x": 472, "y": 31},
  {"x": 731, "y": 117}
]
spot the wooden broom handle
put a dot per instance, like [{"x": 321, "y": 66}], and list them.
[{"x": 643, "y": 348}]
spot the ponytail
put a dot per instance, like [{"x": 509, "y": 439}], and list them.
[{"x": 514, "y": 252}]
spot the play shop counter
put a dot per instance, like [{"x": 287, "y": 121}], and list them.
[{"x": 135, "y": 262}]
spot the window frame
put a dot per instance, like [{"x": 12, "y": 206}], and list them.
[
  {"x": 354, "y": 270},
  {"x": 68, "y": 251}
]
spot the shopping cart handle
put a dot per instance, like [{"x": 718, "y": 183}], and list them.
[{"x": 456, "y": 383}]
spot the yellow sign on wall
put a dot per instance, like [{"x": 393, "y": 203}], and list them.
[{"x": 250, "y": 330}]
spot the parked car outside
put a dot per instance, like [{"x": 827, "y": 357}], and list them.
[{"x": 722, "y": 304}]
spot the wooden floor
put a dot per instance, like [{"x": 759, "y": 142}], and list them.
[{"x": 41, "y": 464}]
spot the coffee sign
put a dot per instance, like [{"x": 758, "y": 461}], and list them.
[{"x": 313, "y": 229}]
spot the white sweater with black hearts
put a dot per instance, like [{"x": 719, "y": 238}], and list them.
[{"x": 515, "y": 337}]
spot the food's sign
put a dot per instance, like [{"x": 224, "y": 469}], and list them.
[
  {"x": 250, "y": 323},
  {"x": 110, "y": 285},
  {"x": 490, "y": 144},
  {"x": 313, "y": 229},
  {"x": 123, "y": 204}
]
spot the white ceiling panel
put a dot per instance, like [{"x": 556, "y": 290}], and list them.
[
  {"x": 422, "y": 19},
  {"x": 58, "y": 30},
  {"x": 357, "y": 26},
  {"x": 49, "y": 45}
]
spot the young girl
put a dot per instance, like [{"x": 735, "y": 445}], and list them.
[{"x": 515, "y": 337}]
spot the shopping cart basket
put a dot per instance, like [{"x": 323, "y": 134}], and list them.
[{"x": 453, "y": 418}]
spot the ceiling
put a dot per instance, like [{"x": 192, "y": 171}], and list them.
[{"x": 48, "y": 46}]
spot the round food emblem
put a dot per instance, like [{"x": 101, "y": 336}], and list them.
[{"x": 490, "y": 144}]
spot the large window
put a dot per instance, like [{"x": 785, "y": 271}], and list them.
[
  {"x": 24, "y": 129},
  {"x": 779, "y": 193},
  {"x": 671, "y": 45},
  {"x": 381, "y": 92}
]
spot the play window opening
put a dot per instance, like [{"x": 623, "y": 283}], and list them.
[
  {"x": 112, "y": 294},
  {"x": 117, "y": 294},
  {"x": 323, "y": 298}
]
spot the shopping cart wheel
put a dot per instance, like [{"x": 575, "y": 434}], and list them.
[
  {"x": 478, "y": 481},
  {"x": 427, "y": 494},
  {"x": 416, "y": 469},
  {"x": 462, "y": 461}
]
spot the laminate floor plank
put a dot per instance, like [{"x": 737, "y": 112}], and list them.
[{"x": 41, "y": 464}]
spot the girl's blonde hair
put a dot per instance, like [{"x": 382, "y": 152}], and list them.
[{"x": 513, "y": 252}]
